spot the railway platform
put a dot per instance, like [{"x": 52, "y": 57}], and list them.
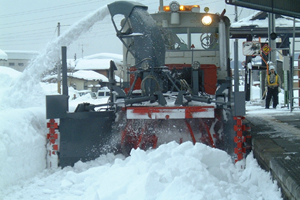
[{"x": 276, "y": 146}]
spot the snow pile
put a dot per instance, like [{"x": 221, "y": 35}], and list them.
[
  {"x": 22, "y": 134},
  {"x": 172, "y": 171}
]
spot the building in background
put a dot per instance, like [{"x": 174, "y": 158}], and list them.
[
  {"x": 18, "y": 60},
  {"x": 87, "y": 80}
]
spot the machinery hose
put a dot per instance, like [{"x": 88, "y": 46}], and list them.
[
  {"x": 185, "y": 85},
  {"x": 157, "y": 88}
]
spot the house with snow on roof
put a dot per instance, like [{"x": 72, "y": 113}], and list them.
[
  {"x": 87, "y": 79},
  {"x": 92, "y": 66},
  {"x": 19, "y": 60},
  {"x": 89, "y": 73},
  {"x": 100, "y": 66}
]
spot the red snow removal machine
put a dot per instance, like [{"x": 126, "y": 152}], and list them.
[{"x": 176, "y": 86}]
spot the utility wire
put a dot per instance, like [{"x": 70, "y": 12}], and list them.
[
  {"x": 29, "y": 32},
  {"x": 95, "y": 30},
  {"x": 43, "y": 22},
  {"x": 49, "y": 9},
  {"x": 56, "y": 17}
]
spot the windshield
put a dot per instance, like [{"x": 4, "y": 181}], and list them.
[{"x": 183, "y": 39}]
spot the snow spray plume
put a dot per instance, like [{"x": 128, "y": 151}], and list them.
[{"x": 27, "y": 86}]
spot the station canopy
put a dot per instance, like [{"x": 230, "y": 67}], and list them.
[{"x": 287, "y": 7}]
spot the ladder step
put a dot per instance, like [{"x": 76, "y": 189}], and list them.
[
  {"x": 296, "y": 88},
  {"x": 296, "y": 69},
  {"x": 296, "y": 98}
]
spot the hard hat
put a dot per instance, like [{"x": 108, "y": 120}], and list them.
[{"x": 271, "y": 67}]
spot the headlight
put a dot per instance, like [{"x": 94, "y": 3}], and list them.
[
  {"x": 206, "y": 20},
  {"x": 196, "y": 65},
  {"x": 174, "y": 6}
]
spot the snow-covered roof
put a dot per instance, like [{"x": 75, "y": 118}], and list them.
[
  {"x": 16, "y": 54},
  {"x": 260, "y": 19},
  {"x": 93, "y": 64},
  {"x": 113, "y": 56},
  {"x": 89, "y": 75},
  {"x": 3, "y": 55}
]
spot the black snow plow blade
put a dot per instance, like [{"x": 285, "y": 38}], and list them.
[{"x": 83, "y": 135}]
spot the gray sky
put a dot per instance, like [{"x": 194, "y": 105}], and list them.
[{"x": 29, "y": 25}]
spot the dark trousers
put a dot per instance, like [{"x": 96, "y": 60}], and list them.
[{"x": 272, "y": 93}]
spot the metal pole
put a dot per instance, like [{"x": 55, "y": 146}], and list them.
[
  {"x": 292, "y": 62},
  {"x": 161, "y": 6},
  {"x": 58, "y": 29},
  {"x": 272, "y": 43},
  {"x": 236, "y": 59},
  {"x": 58, "y": 65},
  {"x": 64, "y": 70},
  {"x": 291, "y": 95}
]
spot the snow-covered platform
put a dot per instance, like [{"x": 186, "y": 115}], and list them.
[{"x": 276, "y": 146}]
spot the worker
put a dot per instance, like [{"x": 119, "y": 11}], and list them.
[{"x": 273, "y": 83}]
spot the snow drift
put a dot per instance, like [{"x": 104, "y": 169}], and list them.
[{"x": 172, "y": 171}]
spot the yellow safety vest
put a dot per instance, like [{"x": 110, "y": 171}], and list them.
[{"x": 276, "y": 81}]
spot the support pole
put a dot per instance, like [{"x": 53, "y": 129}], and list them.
[
  {"x": 248, "y": 73},
  {"x": 272, "y": 43},
  {"x": 291, "y": 93},
  {"x": 161, "y": 6},
  {"x": 64, "y": 70},
  {"x": 236, "y": 59},
  {"x": 58, "y": 65}
]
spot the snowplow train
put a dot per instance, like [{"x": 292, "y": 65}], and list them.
[{"x": 176, "y": 86}]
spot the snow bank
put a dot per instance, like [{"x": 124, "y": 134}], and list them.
[
  {"x": 172, "y": 171},
  {"x": 22, "y": 144},
  {"x": 22, "y": 134}
]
